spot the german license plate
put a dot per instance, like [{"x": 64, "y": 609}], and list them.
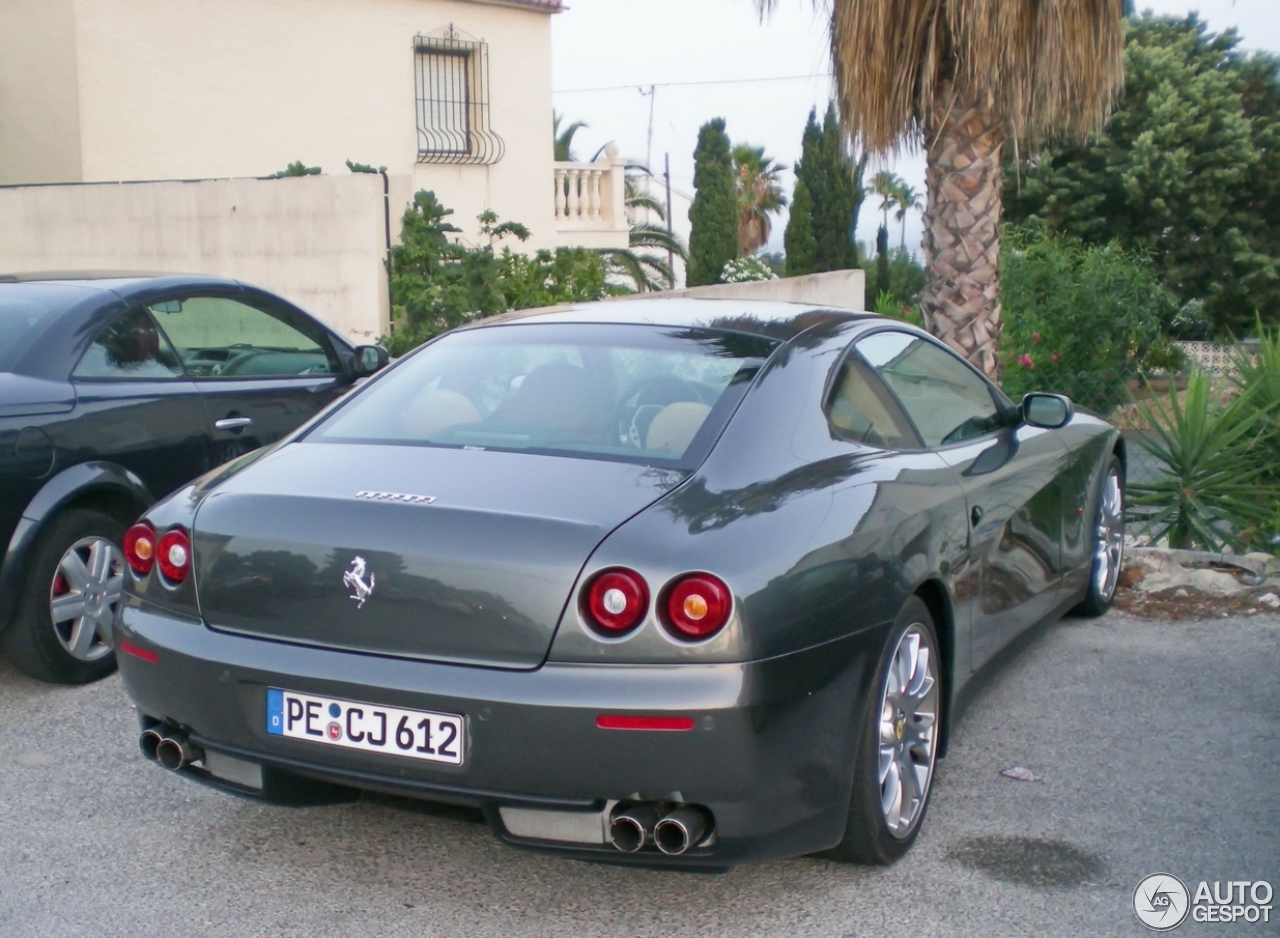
[{"x": 414, "y": 734}]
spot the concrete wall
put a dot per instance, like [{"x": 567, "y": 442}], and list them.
[
  {"x": 845, "y": 289},
  {"x": 319, "y": 241},
  {"x": 192, "y": 89}
]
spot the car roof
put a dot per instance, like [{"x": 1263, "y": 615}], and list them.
[
  {"x": 123, "y": 283},
  {"x": 769, "y": 319}
]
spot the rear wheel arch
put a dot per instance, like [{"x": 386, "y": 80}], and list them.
[
  {"x": 938, "y": 601},
  {"x": 97, "y": 486},
  {"x": 1122, "y": 453}
]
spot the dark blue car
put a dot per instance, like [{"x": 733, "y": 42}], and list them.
[{"x": 116, "y": 389}]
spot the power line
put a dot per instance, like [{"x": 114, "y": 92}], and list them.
[{"x": 685, "y": 84}]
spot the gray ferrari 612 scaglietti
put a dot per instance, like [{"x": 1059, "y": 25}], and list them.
[{"x": 682, "y": 582}]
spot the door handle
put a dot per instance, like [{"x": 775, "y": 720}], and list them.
[
  {"x": 975, "y": 516},
  {"x": 232, "y": 423}
]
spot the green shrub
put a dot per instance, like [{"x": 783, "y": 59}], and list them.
[
  {"x": 1080, "y": 320},
  {"x": 298, "y": 168},
  {"x": 438, "y": 284},
  {"x": 906, "y": 278},
  {"x": 1213, "y": 489}
]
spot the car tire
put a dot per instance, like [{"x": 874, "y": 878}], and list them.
[
  {"x": 1107, "y": 555},
  {"x": 77, "y": 559},
  {"x": 898, "y": 743}
]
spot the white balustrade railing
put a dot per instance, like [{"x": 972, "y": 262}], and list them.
[
  {"x": 589, "y": 197},
  {"x": 579, "y": 196}
]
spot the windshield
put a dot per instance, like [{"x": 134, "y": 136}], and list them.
[
  {"x": 633, "y": 393},
  {"x": 26, "y": 310}
]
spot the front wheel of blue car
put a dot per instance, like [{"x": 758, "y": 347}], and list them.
[{"x": 899, "y": 745}]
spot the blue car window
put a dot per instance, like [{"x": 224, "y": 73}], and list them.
[
  {"x": 129, "y": 347},
  {"x": 30, "y": 310},
  {"x": 625, "y": 392},
  {"x": 945, "y": 399},
  {"x": 219, "y": 337}
]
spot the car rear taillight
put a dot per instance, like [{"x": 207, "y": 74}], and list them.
[
  {"x": 140, "y": 547},
  {"x": 616, "y": 600},
  {"x": 697, "y": 606},
  {"x": 173, "y": 553}
]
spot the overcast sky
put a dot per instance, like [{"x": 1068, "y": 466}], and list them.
[{"x": 761, "y": 77}]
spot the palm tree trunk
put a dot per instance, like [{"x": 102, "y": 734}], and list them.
[{"x": 960, "y": 301}]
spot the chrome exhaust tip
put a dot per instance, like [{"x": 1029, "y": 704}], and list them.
[
  {"x": 175, "y": 750},
  {"x": 681, "y": 830},
  {"x": 149, "y": 741},
  {"x": 632, "y": 828}
]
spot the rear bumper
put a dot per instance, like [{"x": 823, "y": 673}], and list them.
[{"x": 770, "y": 753}]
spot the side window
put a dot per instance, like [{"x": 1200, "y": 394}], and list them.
[
  {"x": 945, "y": 399},
  {"x": 218, "y": 337},
  {"x": 861, "y": 409},
  {"x": 129, "y": 347}
]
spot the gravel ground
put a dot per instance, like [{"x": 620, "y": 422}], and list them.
[{"x": 1156, "y": 743}]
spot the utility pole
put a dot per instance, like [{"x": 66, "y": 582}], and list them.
[
  {"x": 666, "y": 175},
  {"x": 652, "y": 95}
]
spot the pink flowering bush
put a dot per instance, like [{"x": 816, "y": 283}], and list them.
[{"x": 1080, "y": 320}]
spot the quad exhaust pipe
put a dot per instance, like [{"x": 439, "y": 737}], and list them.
[
  {"x": 672, "y": 831},
  {"x": 632, "y": 828},
  {"x": 681, "y": 830},
  {"x": 170, "y": 747}
]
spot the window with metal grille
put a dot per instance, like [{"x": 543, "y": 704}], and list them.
[{"x": 453, "y": 100}]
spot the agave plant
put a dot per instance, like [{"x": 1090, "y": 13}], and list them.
[
  {"x": 1259, "y": 375},
  {"x": 1213, "y": 491}
]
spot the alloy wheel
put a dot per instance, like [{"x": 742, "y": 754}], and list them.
[
  {"x": 83, "y": 597},
  {"x": 908, "y": 730},
  {"x": 1108, "y": 550}
]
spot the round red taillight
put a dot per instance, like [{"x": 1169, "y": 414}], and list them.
[
  {"x": 140, "y": 547},
  {"x": 698, "y": 606},
  {"x": 616, "y": 600},
  {"x": 173, "y": 553}
]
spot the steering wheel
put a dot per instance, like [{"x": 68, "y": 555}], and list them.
[
  {"x": 233, "y": 364},
  {"x": 642, "y": 401}
]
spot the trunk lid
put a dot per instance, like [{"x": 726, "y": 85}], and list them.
[{"x": 479, "y": 575}]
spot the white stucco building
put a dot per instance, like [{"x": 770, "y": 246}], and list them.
[{"x": 448, "y": 95}]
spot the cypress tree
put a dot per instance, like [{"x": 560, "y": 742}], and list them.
[
  {"x": 800, "y": 246},
  {"x": 833, "y": 185},
  {"x": 835, "y": 216},
  {"x": 713, "y": 238}
]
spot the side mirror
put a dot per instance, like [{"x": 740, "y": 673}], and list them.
[
  {"x": 1049, "y": 411},
  {"x": 368, "y": 359}
]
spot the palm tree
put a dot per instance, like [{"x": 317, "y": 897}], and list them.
[
  {"x": 756, "y": 178},
  {"x": 885, "y": 185},
  {"x": 646, "y": 271},
  {"x": 962, "y": 78},
  {"x": 564, "y": 138},
  {"x": 905, "y": 198}
]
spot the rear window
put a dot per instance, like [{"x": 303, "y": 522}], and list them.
[
  {"x": 27, "y": 309},
  {"x": 630, "y": 393}
]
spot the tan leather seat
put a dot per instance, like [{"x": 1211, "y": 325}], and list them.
[
  {"x": 674, "y": 427},
  {"x": 436, "y": 410}
]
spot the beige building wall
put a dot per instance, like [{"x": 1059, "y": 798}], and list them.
[
  {"x": 317, "y": 241},
  {"x": 39, "y": 92},
  {"x": 193, "y": 89}
]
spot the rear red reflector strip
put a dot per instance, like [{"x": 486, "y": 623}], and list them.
[
  {"x": 150, "y": 657},
  {"x": 619, "y": 722}
]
